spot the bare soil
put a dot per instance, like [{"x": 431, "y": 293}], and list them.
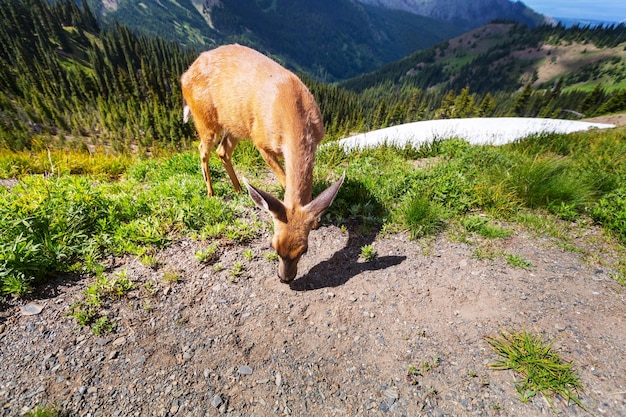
[
  {"x": 338, "y": 341},
  {"x": 618, "y": 119}
]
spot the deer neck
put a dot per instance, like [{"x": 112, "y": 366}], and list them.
[{"x": 299, "y": 160}]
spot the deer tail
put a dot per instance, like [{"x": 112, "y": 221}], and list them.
[{"x": 186, "y": 111}]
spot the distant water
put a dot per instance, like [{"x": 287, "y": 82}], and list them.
[{"x": 569, "y": 22}]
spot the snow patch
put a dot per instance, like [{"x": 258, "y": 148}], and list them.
[{"x": 477, "y": 131}]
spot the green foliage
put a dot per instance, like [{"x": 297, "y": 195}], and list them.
[
  {"x": 368, "y": 253},
  {"x": 421, "y": 217},
  {"x": 518, "y": 261},
  {"x": 542, "y": 370},
  {"x": 51, "y": 225},
  {"x": 102, "y": 326},
  {"x": 483, "y": 227},
  {"x": 208, "y": 255},
  {"x": 47, "y": 411},
  {"x": 611, "y": 212},
  {"x": 550, "y": 183}
]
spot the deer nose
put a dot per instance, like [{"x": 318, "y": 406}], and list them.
[
  {"x": 287, "y": 279},
  {"x": 287, "y": 274}
]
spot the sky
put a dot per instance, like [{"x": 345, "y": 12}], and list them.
[{"x": 609, "y": 10}]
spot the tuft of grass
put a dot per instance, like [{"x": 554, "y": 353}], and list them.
[
  {"x": 102, "y": 326},
  {"x": 83, "y": 313},
  {"x": 551, "y": 183},
  {"x": 484, "y": 228},
  {"x": 171, "y": 276},
  {"x": 248, "y": 254},
  {"x": 47, "y": 411},
  {"x": 422, "y": 218},
  {"x": 237, "y": 272},
  {"x": 542, "y": 370},
  {"x": 518, "y": 261},
  {"x": 368, "y": 253},
  {"x": 412, "y": 374},
  {"x": 271, "y": 256},
  {"x": 209, "y": 255}
]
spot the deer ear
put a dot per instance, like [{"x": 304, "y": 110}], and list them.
[
  {"x": 266, "y": 201},
  {"x": 318, "y": 206}
]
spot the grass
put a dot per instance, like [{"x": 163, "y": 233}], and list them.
[
  {"x": 518, "y": 261},
  {"x": 541, "y": 369},
  {"x": 209, "y": 255},
  {"x": 47, "y": 411},
  {"x": 90, "y": 206}
]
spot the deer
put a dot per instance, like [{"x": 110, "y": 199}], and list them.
[{"x": 235, "y": 93}]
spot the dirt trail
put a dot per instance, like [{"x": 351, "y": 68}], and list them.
[{"x": 338, "y": 342}]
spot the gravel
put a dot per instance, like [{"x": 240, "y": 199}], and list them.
[{"x": 337, "y": 342}]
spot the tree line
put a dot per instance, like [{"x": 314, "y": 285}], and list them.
[{"x": 65, "y": 81}]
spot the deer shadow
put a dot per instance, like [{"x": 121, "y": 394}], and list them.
[{"x": 363, "y": 212}]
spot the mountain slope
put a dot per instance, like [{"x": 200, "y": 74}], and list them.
[
  {"x": 505, "y": 57},
  {"x": 328, "y": 39},
  {"x": 467, "y": 14}
]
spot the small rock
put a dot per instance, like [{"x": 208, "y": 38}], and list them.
[
  {"x": 216, "y": 401},
  {"x": 119, "y": 341},
  {"x": 245, "y": 370},
  {"x": 31, "y": 309},
  {"x": 174, "y": 408},
  {"x": 279, "y": 379}
]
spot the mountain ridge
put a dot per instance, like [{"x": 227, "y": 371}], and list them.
[
  {"x": 330, "y": 40},
  {"x": 468, "y": 14}
]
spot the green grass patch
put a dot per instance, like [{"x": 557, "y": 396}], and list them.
[
  {"x": 51, "y": 224},
  {"x": 542, "y": 370}
]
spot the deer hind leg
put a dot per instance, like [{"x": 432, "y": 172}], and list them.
[
  {"x": 205, "y": 147},
  {"x": 225, "y": 152}
]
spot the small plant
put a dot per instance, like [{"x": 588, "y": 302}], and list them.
[
  {"x": 82, "y": 313},
  {"x": 218, "y": 267},
  {"x": 47, "y": 411},
  {"x": 151, "y": 287},
  {"x": 120, "y": 285},
  {"x": 103, "y": 325},
  {"x": 149, "y": 261},
  {"x": 248, "y": 254},
  {"x": 208, "y": 255},
  {"x": 422, "y": 218},
  {"x": 271, "y": 256},
  {"x": 484, "y": 228},
  {"x": 518, "y": 261},
  {"x": 543, "y": 371},
  {"x": 412, "y": 374},
  {"x": 15, "y": 286},
  {"x": 482, "y": 253},
  {"x": 237, "y": 271},
  {"x": 368, "y": 253},
  {"x": 429, "y": 366},
  {"x": 171, "y": 276}
]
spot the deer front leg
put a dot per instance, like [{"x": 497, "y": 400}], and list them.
[
  {"x": 225, "y": 151},
  {"x": 272, "y": 160}
]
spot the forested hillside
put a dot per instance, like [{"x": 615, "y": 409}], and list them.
[
  {"x": 330, "y": 39},
  {"x": 66, "y": 82},
  {"x": 504, "y": 56}
]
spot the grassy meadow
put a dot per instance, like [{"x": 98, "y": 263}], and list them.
[{"x": 67, "y": 211}]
